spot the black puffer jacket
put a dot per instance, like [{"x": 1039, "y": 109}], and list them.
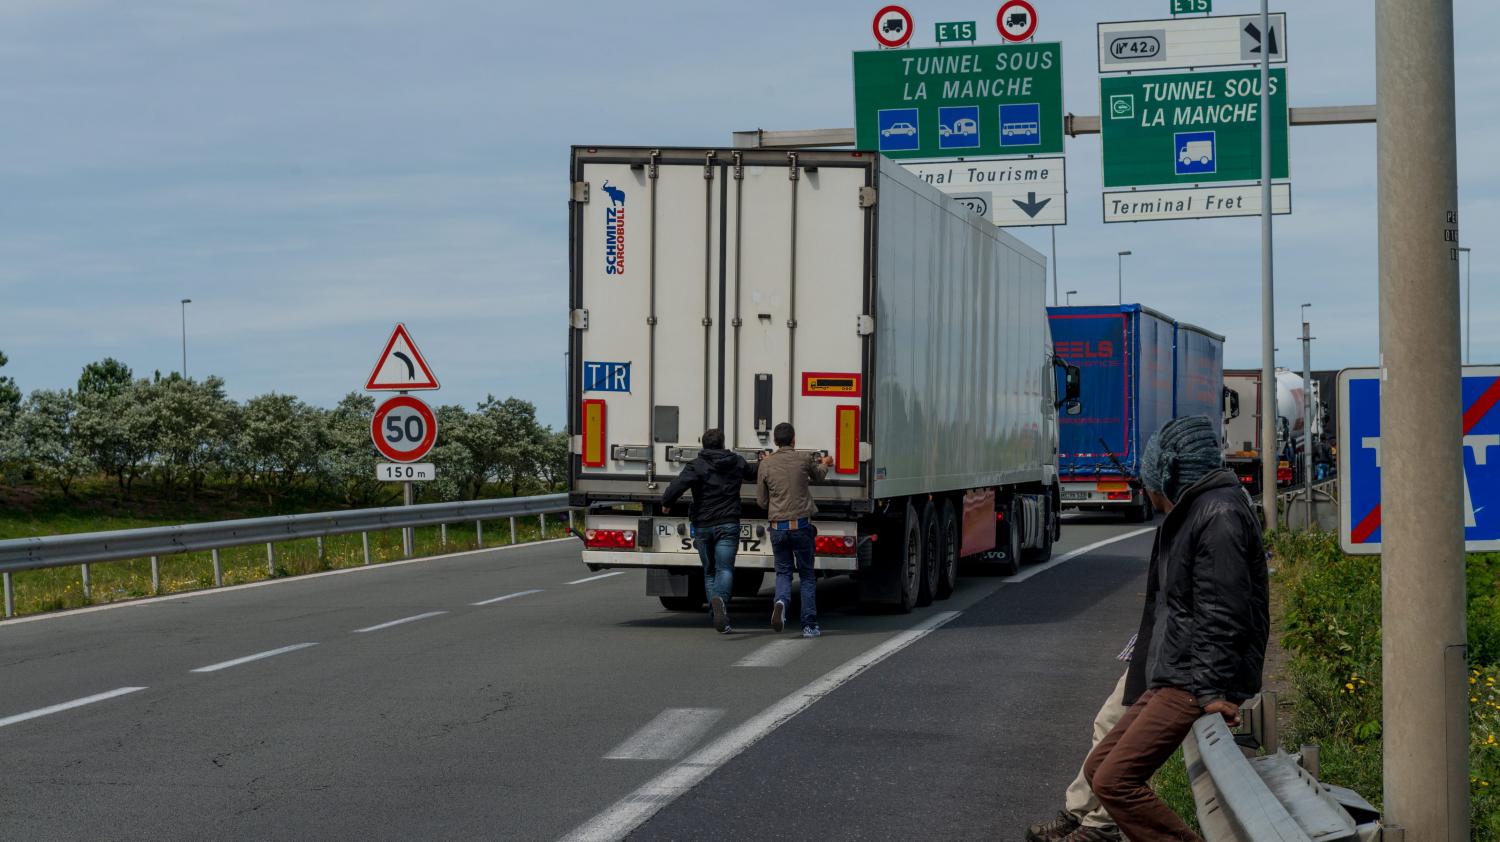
[
  {"x": 714, "y": 478},
  {"x": 1206, "y": 618}
]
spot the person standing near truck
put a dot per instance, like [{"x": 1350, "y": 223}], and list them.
[
  {"x": 714, "y": 479},
  {"x": 781, "y": 488}
]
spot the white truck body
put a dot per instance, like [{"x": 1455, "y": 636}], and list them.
[{"x": 899, "y": 332}]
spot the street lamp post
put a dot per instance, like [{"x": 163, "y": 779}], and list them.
[
  {"x": 1120, "y": 274},
  {"x": 1468, "y": 304},
  {"x": 1071, "y": 293},
  {"x": 185, "y": 303}
]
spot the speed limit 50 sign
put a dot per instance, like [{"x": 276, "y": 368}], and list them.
[{"x": 403, "y": 429}]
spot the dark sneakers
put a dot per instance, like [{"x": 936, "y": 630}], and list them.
[
  {"x": 1054, "y": 830},
  {"x": 721, "y": 615},
  {"x": 778, "y": 616}
]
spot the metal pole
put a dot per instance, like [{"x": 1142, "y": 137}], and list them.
[
  {"x": 218, "y": 570},
  {"x": 88, "y": 588},
  {"x": 1307, "y": 418},
  {"x": 364, "y": 540},
  {"x": 155, "y": 575},
  {"x": 1468, "y": 304},
  {"x": 1426, "y": 728},
  {"x": 1054, "y": 265},
  {"x": 10, "y": 596},
  {"x": 270, "y": 559},
  {"x": 406, "y": 533},
  {"x": 1269, "y": 455},
  {"x": 185, "y": 302},
  {"x": 512, "y": 530}
]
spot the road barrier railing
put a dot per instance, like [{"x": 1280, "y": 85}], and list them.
[{"x": 85, "y": 548}]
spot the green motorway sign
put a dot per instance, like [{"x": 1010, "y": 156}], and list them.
[
  {"x": 1192, "y": 7},
  {"x": 960, "y": 101},
  {"x": 1189, "y": 128},
  {"x": 957, "y": 30}
]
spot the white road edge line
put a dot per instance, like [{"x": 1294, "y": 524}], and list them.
[
  {"x": 1064, "y": 559},
  {"x": 634, "y": 809},
  {"x": 507, "y": 596},
  {"x": 76, "y": 703},
  {"x": 597, "y": 578},
  {"x": 672, "y": 732},
  {"x": 305, "y": 577},
  {"x": 388, "y": 624},
  {"x": 256, "y": 657},
  {"x": 777, "y": 653}
]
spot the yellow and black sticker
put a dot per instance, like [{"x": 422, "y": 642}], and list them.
[{"x": 831, "y": 383}]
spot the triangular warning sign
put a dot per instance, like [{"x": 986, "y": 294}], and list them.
[{"x": 401, "y": 367}]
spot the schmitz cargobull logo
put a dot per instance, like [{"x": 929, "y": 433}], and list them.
[{"x": 614, "y": 231}]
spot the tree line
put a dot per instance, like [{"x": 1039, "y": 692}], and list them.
[{"x": 182, "y": 434}]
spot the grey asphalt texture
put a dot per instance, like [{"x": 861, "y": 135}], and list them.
[{"x": 492, "y": 722}]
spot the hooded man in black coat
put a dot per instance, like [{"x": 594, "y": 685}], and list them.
[
  {"x": 714, "y": 479},
  {"x": 1202, "y": 638}
]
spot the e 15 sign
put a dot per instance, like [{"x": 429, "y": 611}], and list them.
[{"x": 1192, "y": 7}]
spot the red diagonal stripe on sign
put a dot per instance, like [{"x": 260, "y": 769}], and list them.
[{"x": 1472, "y": 416}]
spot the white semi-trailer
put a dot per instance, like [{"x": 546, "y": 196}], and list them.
[{"x": 899, "y": 332}]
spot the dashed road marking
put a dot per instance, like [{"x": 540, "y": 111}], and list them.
[
  {"x": 597, "y": 578},
  {"x": 403, "y": 620},
  {"x": 507, "y": 596},
  {"x": 672, "y": 732},
  {"x": 256, "y": 657},
  {"x": 76, "y": 703},
  {"x": 777, "y": 653}
]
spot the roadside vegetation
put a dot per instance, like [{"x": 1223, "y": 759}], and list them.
[{"x": 121, "y": 452}]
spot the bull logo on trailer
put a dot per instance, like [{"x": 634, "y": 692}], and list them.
[{"x": 614, "y": 231}]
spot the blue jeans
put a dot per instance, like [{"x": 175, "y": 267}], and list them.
[
  {"x": 795, "y": 547},
  {"x": 717, "y": 546}
]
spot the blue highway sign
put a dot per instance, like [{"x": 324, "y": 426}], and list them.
[{"x": 1359, "y": 459}]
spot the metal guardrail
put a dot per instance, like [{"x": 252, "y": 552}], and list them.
[
  {"x": 1273, "y": 798},
  {"x": 87, "y": 548}
]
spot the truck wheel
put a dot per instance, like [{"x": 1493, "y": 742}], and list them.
[
  {"x": 1011, "y": 540},
  {"x": 681, "y": 603},
  {"x": 948, "y": 541},
  {"x": 747, "y": 583},
  {"x": 1056, "y": 515},
  {"x": 1044, "y": 552},
  {"x": 931, "y": 551},
  {"x": 909, "y": 569},
  {"x": 1137, "y": 512}
]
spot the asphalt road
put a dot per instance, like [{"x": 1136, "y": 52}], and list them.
[{"x": 386, "y": 704}]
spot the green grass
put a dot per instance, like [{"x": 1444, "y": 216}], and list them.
[
  {"x": 25, "y": 513},
  {"x": 1172, "y": 786}
]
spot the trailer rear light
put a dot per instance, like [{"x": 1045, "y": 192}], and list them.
[
  {"x": 1119, "y": 495},
  {"x": 846, "y": 440},
  {"x": 1112, "y": 485},
  {"x": 835, "y": 545},
  {"x": 1283, "y": 476},
  {"x": 609, "y": 539},
  {"x": 593, "y": 434},
  {"x": 1246, "y": 479}
]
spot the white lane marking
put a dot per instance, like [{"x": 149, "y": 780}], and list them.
[
  {"x": 507, "y": 596},
  {"x": 155, "y": 600},
  {"x": 672, "y": 732},
  {"x": 777, "y": 653},
  {"x": 1064, "y": 559},
  {"x": 256, "y": 657},
  {"x": 76, "y": 703},
  {"x": 597, "y": 578},
  {"x": 631, "y": 811},
  {"x": 411, "y": 619}
]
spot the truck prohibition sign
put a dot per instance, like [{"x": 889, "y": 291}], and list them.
[{"x": 403, "y": 429}]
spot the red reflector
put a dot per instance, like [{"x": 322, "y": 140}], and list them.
[
  {"x": 609, "y": 539},
  {"x": 1283, "y": 475},
  {"x": 1119, "y": 495},
  {"x": 835, "y": 545},
  {"x": 1247, "y": 480},
  {"x": 1000, "y": 515}
]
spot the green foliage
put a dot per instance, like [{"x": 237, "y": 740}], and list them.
[
  {"x": 45, "y": 428},
  {"x": 108, "y": 377},
  {"x": 1175, "y": 789}
]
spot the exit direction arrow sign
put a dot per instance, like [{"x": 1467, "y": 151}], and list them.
[
  {"x": 1189, "y": 128},
  {"x": 1179, "y": 43},
  {"x": 1009, "y": 192},
  {"x": 981, "y": 101},
  {"x": 1360, "y": 459}
]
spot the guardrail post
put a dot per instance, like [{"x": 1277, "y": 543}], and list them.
[
  {"x": 364, "y": 540},
  {"x": 479, "y": 534},
  {"x": 571, "y": 527},
  {"x": 542, "y": 531},
  {"x": 155, "y": 575},
  {"x": 322, "y": 550},
  {"x": 218, "y": 569},
  {"x": 10, "y": 597},
  {"x": 443, "y": 535},
  {"x": 512, "y": 530},
  {"x": 270, "y": 559},
  {"x": 88, "y": 586},
  {"x": 1311, "y": 759},
  {"x": 1269, "y": 726}
]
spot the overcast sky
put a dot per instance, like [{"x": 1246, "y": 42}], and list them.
[{"x": 310, "y": 173}]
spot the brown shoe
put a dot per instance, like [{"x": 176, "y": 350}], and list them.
[
  {"x": 1094, "y": 834},
  {"x": 1054, "y": 830}
]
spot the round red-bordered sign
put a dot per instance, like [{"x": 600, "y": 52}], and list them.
[
  {"x": 403, "y": 429},
  {"x": 1013, "y": 27},
  {"x": 893, "y": 21}
]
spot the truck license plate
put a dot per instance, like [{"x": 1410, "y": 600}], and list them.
[{"x": 1075, "y": 495}]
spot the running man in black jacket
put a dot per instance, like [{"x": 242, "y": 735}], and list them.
[
  {"x": 714, "y": 478},
  {"x": 1202, "y": 638}
]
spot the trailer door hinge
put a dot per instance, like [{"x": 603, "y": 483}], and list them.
[
  {"x": 864, "y": 325},
  {"x": 708, "y": 164},
  {"x": 581, "y": 192},
  {"x": 867, "y": 196},
  {"x": 579, "y": 319}
]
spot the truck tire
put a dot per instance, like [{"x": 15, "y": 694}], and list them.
[
  {"x": 1010, "y": 542},
  {"x": 931, "y": 550},
  {"x": 949, "y": 542},
  {"x": 1139, "y": 512},
  {"x": 695, "y": 600},
  {"x": 908, "y": 570},
  {"x": 1037, "y": 555},
  {"x": 747, "y": 583}
]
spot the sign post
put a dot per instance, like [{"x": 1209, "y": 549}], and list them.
[{"x": 403, "y": 428}]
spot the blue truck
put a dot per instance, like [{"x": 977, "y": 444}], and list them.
[{"x": 1140, "y": 369}]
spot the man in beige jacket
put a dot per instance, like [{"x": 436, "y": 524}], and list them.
[{"x": 781, "y": 487}]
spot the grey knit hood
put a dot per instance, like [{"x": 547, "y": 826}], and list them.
[{"x": 1181, "y": 453}]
